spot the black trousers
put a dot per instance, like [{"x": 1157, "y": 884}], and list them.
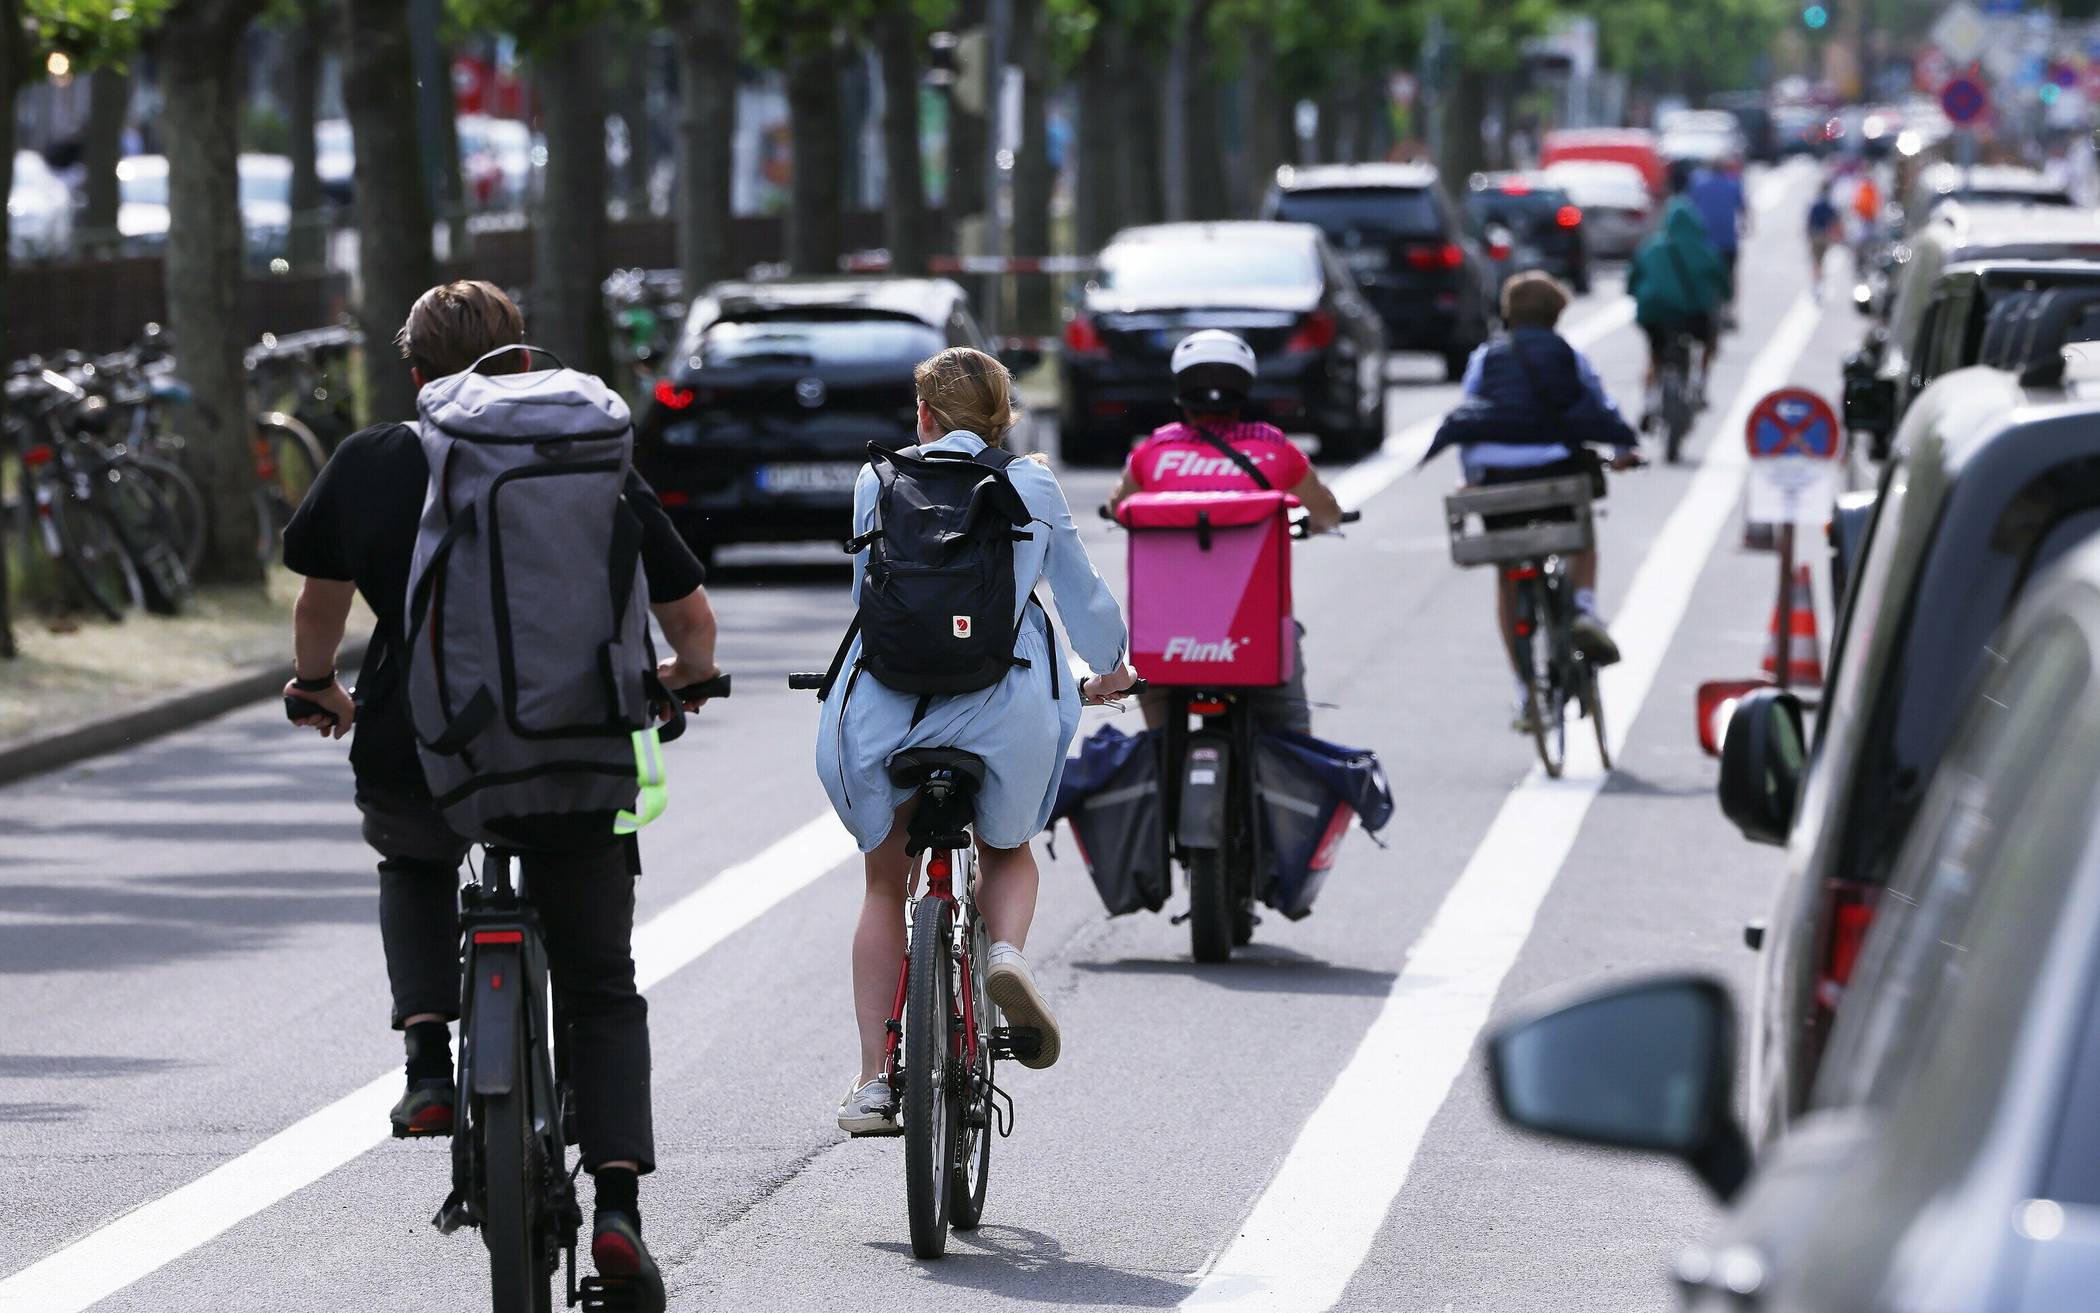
[{"x": 585, "y": 903}]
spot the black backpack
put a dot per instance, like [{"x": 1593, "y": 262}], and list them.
[{"x": 937, "y": 597}]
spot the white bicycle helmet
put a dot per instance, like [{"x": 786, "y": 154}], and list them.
[{"x": 1213, "y": 370}]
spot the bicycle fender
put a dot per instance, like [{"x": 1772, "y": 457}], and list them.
[
  {"x": 499, "y": 992},
  {"x": 1206, "y": 778}
]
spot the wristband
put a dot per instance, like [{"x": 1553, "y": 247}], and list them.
[{"x": 326, "y": 681}]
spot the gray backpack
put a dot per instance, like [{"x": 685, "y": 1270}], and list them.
[{"x": 530, "y": 669}]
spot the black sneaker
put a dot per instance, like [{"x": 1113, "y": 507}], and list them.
[
  {"x": 425, "y": 1110},
  {"x": 626, "y": 1273}
]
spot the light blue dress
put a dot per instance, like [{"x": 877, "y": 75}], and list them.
[{"x": 1015, "y": 725}]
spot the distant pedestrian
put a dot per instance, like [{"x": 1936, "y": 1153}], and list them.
[{"x": 1824, "y": 227}]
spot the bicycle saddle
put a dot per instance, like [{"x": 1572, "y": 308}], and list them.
[{"x": 909, "y": 769}]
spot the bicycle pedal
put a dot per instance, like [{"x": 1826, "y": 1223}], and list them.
[
  {"x": 457, "y": 1211},
  {"x": 875, "y": 1135},
  {"x": 611, "y": 1294}
]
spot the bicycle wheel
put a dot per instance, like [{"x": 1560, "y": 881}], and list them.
[
  {"x": 931, "y": 1082},
  {"x": 973, "y": 1136},
  {"x": 1210, "y": 906},
  {"x": 1549, "y": 698},
  {"x": 185, "y": 503},
  {"x": 514, "y": 1165},
  {"x": 147, "y": 524},
  {"x": 94, "y": 554},
  {"x": 288, "y": 458},
  {"x": 1677, "y": 411}
]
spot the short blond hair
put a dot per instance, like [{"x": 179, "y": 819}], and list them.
[
  {"x": 968, "y": 391},
  {"x": 455, "y": 324},
  {"x": 1533, "y": 299}
]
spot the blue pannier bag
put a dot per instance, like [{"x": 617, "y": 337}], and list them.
[
  {"x": 1310, "y": 789},
  {"x": 1110, "y": 797}
]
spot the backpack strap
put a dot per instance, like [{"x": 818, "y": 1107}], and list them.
[
  {"x": 1235, "y": 455},
  {"x": 838, "y": 659}
]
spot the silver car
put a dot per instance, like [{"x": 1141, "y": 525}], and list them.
[{"x": 1617, "y": 213}]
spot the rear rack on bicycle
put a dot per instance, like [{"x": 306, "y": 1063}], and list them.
[{"x": 1531, "y": 542}]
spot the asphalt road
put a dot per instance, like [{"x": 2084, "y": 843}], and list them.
[{"x": 190, "y": 969}]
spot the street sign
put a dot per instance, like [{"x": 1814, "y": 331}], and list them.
[
  {"x": 1961, "y": 32},
  {"x": 1793, "y": 436},
  {"x": 1964, "y": 100}
]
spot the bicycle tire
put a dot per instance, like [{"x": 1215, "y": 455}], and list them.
[
  {"x": 288, "y": 458},
  {"x": 930, "y": 1085},
  {"x": 146, "y": 523},
  {"x": 513, "y": 1164},
  {"x": 93, "y": 551},
  {"x": 1677, "y": 417},
  {"x": 974, "y": 1129},
  {"x": 1549, "y": 699},
  {"x": 185, "y": 502},
  {"x": 1210, "y": 906}
]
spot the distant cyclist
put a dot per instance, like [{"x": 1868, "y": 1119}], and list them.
[
  {"x": 1825, "y": 228},
  {"x": 1533, "y": 408},
  {"x": 1716, "y": 192},
  {"x": 1211, "y": 449},
  {"x": 1021, "y": 727},
  {"x": 1678, "y": 284}
]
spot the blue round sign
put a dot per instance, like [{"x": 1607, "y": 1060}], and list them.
[
  {"x": 1964, "y": 99},
  {"x": 1792, "y": 422}
]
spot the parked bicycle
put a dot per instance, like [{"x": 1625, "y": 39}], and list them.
[{"x": 1554, "y": 669}]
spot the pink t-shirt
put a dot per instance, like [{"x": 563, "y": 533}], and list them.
[{"x": 1176, "y": 459}]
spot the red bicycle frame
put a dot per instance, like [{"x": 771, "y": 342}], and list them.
[{"x": 940, "y": 874}]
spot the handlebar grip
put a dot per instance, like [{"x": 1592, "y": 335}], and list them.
[
  {"x": 1106, "y": 512},
  {"x": 718, "y": 687},
  {"x": 297, "y": 709},
  {"x": 1351, "y": 517},
  {"x": 807, "y": 681}
]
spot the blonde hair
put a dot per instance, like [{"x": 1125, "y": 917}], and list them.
[
  {"x": 1533, "y": 300},
  {"x": 968, "y": 391},
  {"x": 455, "y": 324}
]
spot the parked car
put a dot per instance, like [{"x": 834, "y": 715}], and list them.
[
  {"x": 1635, "y": 146},
  {"x": 1700, "y": 136},
  {"x": 1617, "y": 212},
  {"x": 1949, "y": 1158},
  {"x": 1995, "y": 474},
  {"x": 265, "y": 183},
  {"x": 1319, "y": 343},
  {"x": 39, "y": 208},
  {"x": 760, "y": 428},
  {"x": 1415, "y": 258},
  {"x": 1547, "y": 229},
  {"x": 335, "y": 159},
  {"x": 1938, "y": 185}
]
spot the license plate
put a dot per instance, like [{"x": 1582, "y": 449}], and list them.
[
  {"x": 809, "y": 476},
  {"x": 1365, "y": 259}
]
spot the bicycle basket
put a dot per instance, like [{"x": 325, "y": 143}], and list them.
[{"x": 1472, "y": 543}]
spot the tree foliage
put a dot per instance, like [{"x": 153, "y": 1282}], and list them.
[{"x": 92, "y": 33}]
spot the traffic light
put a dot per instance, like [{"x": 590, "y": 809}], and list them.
[{"x": 1815, "y": 18}]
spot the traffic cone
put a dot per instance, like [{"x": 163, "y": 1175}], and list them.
[{"x": 1804, "y": 661}]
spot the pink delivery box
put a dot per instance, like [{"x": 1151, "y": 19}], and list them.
[{"x": 1210, "y": 587}]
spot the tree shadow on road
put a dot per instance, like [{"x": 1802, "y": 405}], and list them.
[
  {"x": 1261, "y": 969},
  {"x": 990, "y": 1257},
  {"x": 40, "y": 1112},
  {"x": 103, "y": 927}
]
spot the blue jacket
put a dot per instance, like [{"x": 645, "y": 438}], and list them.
[{"x": 1530, "y": 388}]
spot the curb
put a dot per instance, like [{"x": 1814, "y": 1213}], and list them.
[{"x": 151, "y": 720}]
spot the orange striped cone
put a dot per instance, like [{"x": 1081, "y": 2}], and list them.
[{"x": 1804, "y": 661}]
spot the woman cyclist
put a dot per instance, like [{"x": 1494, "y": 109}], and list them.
[{"x": 1020, "y": 729}]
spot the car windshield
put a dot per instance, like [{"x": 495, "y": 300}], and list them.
[
  {"x": 1398, "y": 211},
  {"x": 136, "y": 186},
  {"x": 1148, "y": 268},
  {"x": 802, "y": 336}
]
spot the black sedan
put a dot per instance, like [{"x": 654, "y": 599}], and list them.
[
  {"x": 762, "y": 425},
  {"x": 1278, "y": 285}
]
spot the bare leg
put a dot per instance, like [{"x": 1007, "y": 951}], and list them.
[
  {"x": 1006, "y": 892},
  {"x": 1506, "y": 618},
  {"x": 1582, "y": 568},
  {"x": 878, "y": 944}
]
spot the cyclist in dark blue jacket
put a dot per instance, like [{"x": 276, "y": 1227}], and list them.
[{"x": 1533, "y": 408}]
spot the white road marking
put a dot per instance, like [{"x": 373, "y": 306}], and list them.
[
  {"x": 154, "y": 1234},
  {"x": 1316, "y": 1221}
]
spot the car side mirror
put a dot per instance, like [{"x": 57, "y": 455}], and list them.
[
  {"x": 1763, "y": 754},
  {"x": 1648, "y": 1066},
  {"x": 1019, "y": 359},
  {"x": 1869, "y": 403}
]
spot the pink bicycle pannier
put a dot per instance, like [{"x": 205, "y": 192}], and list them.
[{"x": 1210, "y": 587}]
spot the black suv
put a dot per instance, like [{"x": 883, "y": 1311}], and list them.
[
  {"x": 1543, "y": 222},
  {"x": 1420, "y": 264}
]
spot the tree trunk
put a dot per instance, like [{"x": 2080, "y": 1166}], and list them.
[
  {"x": 1462, "y": 152},
  {"x": 393, "y": 230},
  {"x": 200, "y": 123},
  {"x": 1097, "y": 167},
  {"x": 11, "y": 58},
  {"x": 1201, "y": 111},
  {"x": 707, "y": 49},
  {"x": 301, "y": 83},
  {"x": 815, "y": 224},
  {"x": 568, "y": 251},
  {"x": 904, "y": 194},
  {"x": 109, "y": 97},
  {"x": 630, "y": 94},
  {"x": 1269, "y": 144},
  {"x": 1140, "y": 73},
  {"x": 1033, "y": 175}
]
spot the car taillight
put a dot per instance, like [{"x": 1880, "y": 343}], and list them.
[
  {"x": 1315, "y": 333},
  {"x": 1082, "y": 338},
  {"x": 40, "y": 454},
  {"x": 1851, "y": 913},
  {"x": 1567, "y": 216},
  {"x": 673, "y": 497},
  {"x": 671, "y": 396},
  {"x": 1435, "y": 259}
]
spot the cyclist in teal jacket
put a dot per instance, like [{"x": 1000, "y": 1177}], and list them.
[{"x": 1678, "y": 284}]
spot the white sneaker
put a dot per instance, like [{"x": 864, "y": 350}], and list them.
[
  {"x": 870, "y": 1109},
  {"x": 1013, "y": 989}
]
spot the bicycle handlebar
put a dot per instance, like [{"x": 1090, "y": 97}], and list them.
[
  {"x": 806, "y": 681},
  {"x": 718, "y": 687},
  {"x": 297, "y": 709}
]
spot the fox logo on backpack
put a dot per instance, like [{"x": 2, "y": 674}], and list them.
[
  {"x": 936, "y": 597},
  {"x": 530, "y": 670}
]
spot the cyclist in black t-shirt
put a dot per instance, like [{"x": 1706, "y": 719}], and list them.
[{"x": 354, "y": 533}]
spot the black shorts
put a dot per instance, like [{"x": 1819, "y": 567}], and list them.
[
  {"x": 1701, "y": 328},
  {"x": 1583, "y": 463}
]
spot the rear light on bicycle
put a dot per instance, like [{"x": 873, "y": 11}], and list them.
[
  {"x": 1082, "y": 338},
  {"x": 1519, "y": 573},
  {"x": 499, "y": 936},
  {"x": 1315, "y": 333},
  {"x": 1207, "y": 708},
  {"x": 671, "y": 396},
  {"x": 674, "y": 497},
  {"x": 1850, "y": 913},
  {"x": 1436, "y": 259},
  {"x": 40, "y": 455}
]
